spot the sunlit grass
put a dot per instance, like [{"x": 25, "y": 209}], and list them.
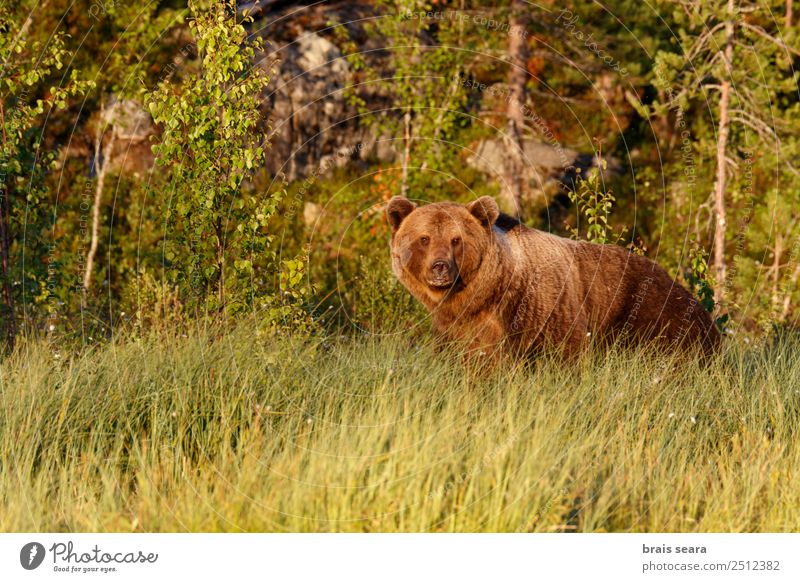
[{"x": 256, "y": 434}]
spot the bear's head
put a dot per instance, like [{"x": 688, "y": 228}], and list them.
[{"x": 438, "y": 248}]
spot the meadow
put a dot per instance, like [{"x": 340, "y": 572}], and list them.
[{"x": 227, "y": 430}]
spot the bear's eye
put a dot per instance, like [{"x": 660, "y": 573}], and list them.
[
  {"x": 424, "y": 241},
  {"x": 456, "y": 241}
]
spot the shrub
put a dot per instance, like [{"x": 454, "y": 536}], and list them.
[{"x": 211, "y": 143}]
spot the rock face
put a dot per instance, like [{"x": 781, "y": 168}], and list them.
[
  {"x": 312, "y": 126},
  {"x": 133, "y": 126},
  {"x": 129, "y": 118},
  {"x": 550, "y": 165}
]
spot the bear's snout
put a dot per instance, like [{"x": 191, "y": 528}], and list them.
[
  {"x": 440, "y": 269},
  {"x": 441, "y": 273}
]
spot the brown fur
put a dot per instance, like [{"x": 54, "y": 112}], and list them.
[{"x": 499, "y": 284}]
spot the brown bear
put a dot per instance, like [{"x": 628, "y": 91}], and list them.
[{"x": 498, "y": 285}]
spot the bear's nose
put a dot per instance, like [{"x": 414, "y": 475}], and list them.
[{"x": 440, "y": 268}]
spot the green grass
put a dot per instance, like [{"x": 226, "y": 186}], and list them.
[{"x": 243, "y": 433}]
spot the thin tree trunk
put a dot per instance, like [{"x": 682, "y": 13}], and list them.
[
  {"x": 513, "y": 165},
  {"x": 789, "y": 15},
  {"x": 220, "y": 262},
  {"x": 720, "y": 211},
  {"x": 294, "y": 141},
  {"x": 720, "y": 266},
  {"x": 406, "y": 152},
  {"x": 776, "y": 268},
  {"x": 101, "y": 165},
  {"x": 787, "y": 300},
  {"x": 515, "y": 170}
]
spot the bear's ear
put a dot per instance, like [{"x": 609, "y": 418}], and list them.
[
  {"x": 485, "y": 210},
  {"x": 396, "y": 211}
]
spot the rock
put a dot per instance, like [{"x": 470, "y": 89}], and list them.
[
  {"x": 129, "y": 118},
  {"x": 311, "y": 214},
  {"x": 553, "y": 169},
  {"x": 310, "y": 118},
  {"x": 133, "y": 126},
  {"x": 549, "y": 164}
]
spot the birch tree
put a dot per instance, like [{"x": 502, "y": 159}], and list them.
[{"x": 212, "y": 141}]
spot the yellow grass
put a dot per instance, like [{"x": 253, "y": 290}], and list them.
[{"x": 240, "y": 433}]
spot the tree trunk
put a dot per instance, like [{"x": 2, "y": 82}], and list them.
[
  {"x": 787, "y": 300},
  {"x": 720, "y": 266},
  {"x": 101, "y": 165},
  {"x": 515, "y": 168},
  {"x": 720, "y": 212},
  {"x": 220, "y": 252},
  {"x": 789, "y": 15},
  {"x": 776, "y": 268},
  {"x": 406, "y": 153}
]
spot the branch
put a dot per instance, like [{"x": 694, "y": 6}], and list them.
[
  {"x": 255, "y": 8},
  {"x": 703, "y": 39},
  {"x": 755, "y": 123},
  {"x": 760, "y": 31}
]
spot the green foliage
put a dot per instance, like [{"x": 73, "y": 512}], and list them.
[
  {"x": 28, "y": 274},
  {"x": 156, "y": 305},
  {"x": 138, "y": 30},
  {"x": 594, "y": 203},
  {"x": 356, "y": 61},
  {"x": 211, "y": 142},
  {"x": 699, "y": 278},
  {"x": 761, "y": 148},
  {"x": 427, "y": 92},
  {"x": 290, "y": 310}
]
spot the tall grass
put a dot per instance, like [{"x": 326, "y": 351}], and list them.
[{"x": 234, "y": 432}]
